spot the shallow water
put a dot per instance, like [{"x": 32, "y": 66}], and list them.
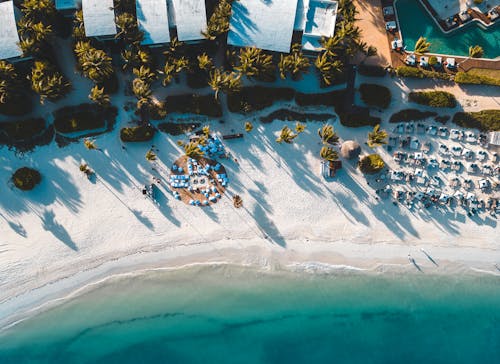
[
  {"x": 230, "y": 314},
  {"x": 416, "y": 22}
]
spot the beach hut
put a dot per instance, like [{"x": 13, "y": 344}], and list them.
[
  {"x": 9, "y": 37},
  {"x": 189, "y": 17},
  {"x": 494, "y": 140},
  {"x": 350, "y": 149},
  {"x": 152, "y": 19},
  {"x": 315, "y": 19},
  {"x": 99, "y": 18}
]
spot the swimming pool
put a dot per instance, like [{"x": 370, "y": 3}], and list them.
[{"x": 415, "y": 22}]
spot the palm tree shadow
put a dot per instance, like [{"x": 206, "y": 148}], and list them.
[
  {"x": 267, "y": 227},
  {"x": 50, "y": 224}
]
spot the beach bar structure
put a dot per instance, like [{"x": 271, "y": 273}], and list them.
[
  {"x": 9, "y": 37},
  {"x": 189, "y": 17},
  {"x": 99, "y": 18},
  {"x": 152, "y": 19},
  {"x": 266, "y": 25},
  {"x": 316, "y": 19}
]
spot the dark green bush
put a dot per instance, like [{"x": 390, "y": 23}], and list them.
[
  {"x": 26, "y": 178},
  {"x": 21, "y": 129},
  {"x": 358, "y": 117},
  {"x": 375, "y": 95},
  {"x": 485, "y": 120},
  {"x": 371, "y": 164},
  {"x": 140, "y": 133},
  {"x": 178, "y": 129},
  {"x": 372, "y": 71},
  {"x": 72, "y": 119},
  {"x": 406, "y": 71},
  {"x": 332, "y": 98},
  {"x": 470, "y": 78},
  {"x": 410, "y": 115},
  {"x": 194, "y": 104},
  {"x": 257, "y": 98},
  {"x": 434, "y": 98}
]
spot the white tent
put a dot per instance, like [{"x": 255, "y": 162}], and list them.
[
  {"x": 9, "y": 38},
  {"x": 98, "y": 18},
  {"x": 189, "y": 17},
  {"x": 152, "y": 18}
]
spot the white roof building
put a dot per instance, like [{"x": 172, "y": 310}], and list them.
[
  {"x": 320, "y": 17},
  {"x": 266, "y": 25},
  {"x": 98, "y": 18},
  {"x": 189, "y": 17},
  {"x": 494, "y": 139},
  {"x": 9, "y": 38},
  {"x": 152, "y": 18},
  {"x": 66, "y": 4}
]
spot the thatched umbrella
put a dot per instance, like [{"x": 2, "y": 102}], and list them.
[{"x": 350, "y": 149}]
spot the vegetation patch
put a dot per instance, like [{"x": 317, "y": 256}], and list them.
[
  {"x": 288, "y": 115},
  {"x": 332, "y": 98},
  {"x": 371, "y": 71},
  {"x": 357, "y": 117},
  {"x": 442, "y": 118},
  {"x": 485, "y": 120},
  {"x": 24, "y": 135},
  {"x": 140, "y": 133},
  {"x": 434, "y": 98},
  {"x": 411, "y": 115},
  {"x": 375, "y": 95},
  {"x": 371, "y": 164},
  {"x": 257, "y": 98},
  {"x": 72, "y": 119},
  {"x": 194, "y": 104},
  {"x": 478, "y": 77},
  {"x": 26, "y": 178},
  {"x": 178, "y": 129},
  {"x": 407, "y": 71}
]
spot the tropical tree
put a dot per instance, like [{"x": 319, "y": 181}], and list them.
[
  {"x": 254, "y": 63},
  {"x": 476, "y": 51},
  {"x": 328, "y": 68},
  {"x": 89, "y": 144},
  {"x": 224, "y": 81},
  {"x": 141, "y": 88},
  {"x": 36, "y": 9},
  {"x": 95, "y": 63},
  {"x": 150, "y": 156},
  {"x": 128, "y": 29},
  {"x": 237, "y": 201},
  {"x": 377, "y": 137},
  {"x": 218, "y": 23},
  {"x": 422, "y": 46},
  {"x": 47, "y": 82},
  {"x": 173, "y": 67},
  {"x": 36, "y": 31},
  {"x": 294, "y": 63},
  {"x": 78, "y": 26},
  {"x": 144, "y": 73},
  {"x": 299, "y": 127},
  {"x": 248, "y": 127},
  {"x": 328, "y": 154},
  {"x": 134, "y": 57},
  {"x": 205, "y": 63},
  {"x": 8, "y": 82},
  {"x": 328, "y": 135},
  {"x": 286, "y": 135},
  {"x": 98, "y": 96},
  {"x": 192, "y": 150}
]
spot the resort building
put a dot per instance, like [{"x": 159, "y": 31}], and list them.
[
  {"x": 189, "y": 17},
  {"x": 266, "y": 25},
  {"x": 316, "y": 19},
  {"x": 99, "y": 18},
  {"x": 152, "y": 18},
  {"x": 494, "y": 140},
  {"x": 9, "y": 37}
]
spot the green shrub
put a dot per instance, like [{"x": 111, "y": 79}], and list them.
[
  {"x": 332, "y": 98},
  {"x": 485, "y": 120},
  {"x": 257, "y": 98},
  {"x": 358, "y": 117},
  {"x": 371, "y": 164},
  {"x": 72, "y": 119},
  {"x": 178, "y": 129},
  {"x": 375, "y": 95},
  {"x": 372, "y": 71},
  {"x": 194, "y": 104},
  {"x": 22, "y": 129},
  {"x": 26, "y": 178},
  {"x": 433, "y": 98},
  {"x": 475, "y": 79},
  {"x": 407, "y": 71},
  {"x": 410, "y": 115},
  {"x": 140, "y": 133}
]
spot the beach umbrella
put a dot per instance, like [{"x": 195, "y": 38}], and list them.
[{"x": 350, "y": 149}]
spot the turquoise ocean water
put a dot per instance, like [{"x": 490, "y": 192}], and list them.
[
  {"x": 229, "y": 314},
  {"x": 416, "y": 22}
]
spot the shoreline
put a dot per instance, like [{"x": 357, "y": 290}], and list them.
[{"x": 38, "y": 299}]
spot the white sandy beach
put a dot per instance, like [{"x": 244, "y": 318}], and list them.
[{"x": 69, "y": 231}]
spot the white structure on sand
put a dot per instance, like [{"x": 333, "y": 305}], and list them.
[
  {"x": 189, "y": 17},
  {"x": 9, "y": 38},
  {"x": 319, "y": 18},
  {"x": 152, "y": 19},
  {"x": 99, "y": 18}
]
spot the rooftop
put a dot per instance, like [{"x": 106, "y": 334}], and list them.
[
  {"x": 495, "y": 138},
  {"x": 320, "y": 19},
  {"x": 152, "y": 18},
  {"x": 9, "y": 38},
  {"x": 190, "y": 18},
  {"x": 98, "y": 17},
  {"x": 263, "y": 24}
]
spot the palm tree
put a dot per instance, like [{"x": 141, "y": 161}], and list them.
[
  {"x": 173, "y": 67},
  {"x": 299, "y": 127},
  {"x": 128, "y": 29},
  {"x": 476, "y": 51},
  {"x": 78, "y": 26},
  {"x": 254, "y": 63},
  {"x": 36, "y": 9},
  {"x": 218, "y": 23},
  {"x": 328, "y": 154},
  {"x": 294, "y": 63},
  {"x": 98, "y": 96},
  {"x": 328, "y": 68},
  {"x": 95, "y": 63},
  {"x": 192, "y": 150},
  {"x": 89, "y": 144},
  {"x": 145, "y": 74},
  {"x": 228, "y": 82},
  {"x": 237, "y": 201},
  {"x": 150, "y": 156},
  {"x": 422, "y": 46},
  {"x": 8, "y": 84},
  {"x": 328, "y": 135},
  {"x": 377, "y": 137},
  {"x": 248, "y": 127},
  {"x": 205, "y": 62},
  {"x": 141, "y": 88},
  {"x": 286, "y": 135},
  {"x": 47, "y": 82}
]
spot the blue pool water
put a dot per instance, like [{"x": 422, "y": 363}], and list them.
[
  {"x": 415, "y": 22},
  {"x": 236, "y": 315}
]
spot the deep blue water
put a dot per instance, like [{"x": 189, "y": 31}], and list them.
[{"x": 230, "y": 315}]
